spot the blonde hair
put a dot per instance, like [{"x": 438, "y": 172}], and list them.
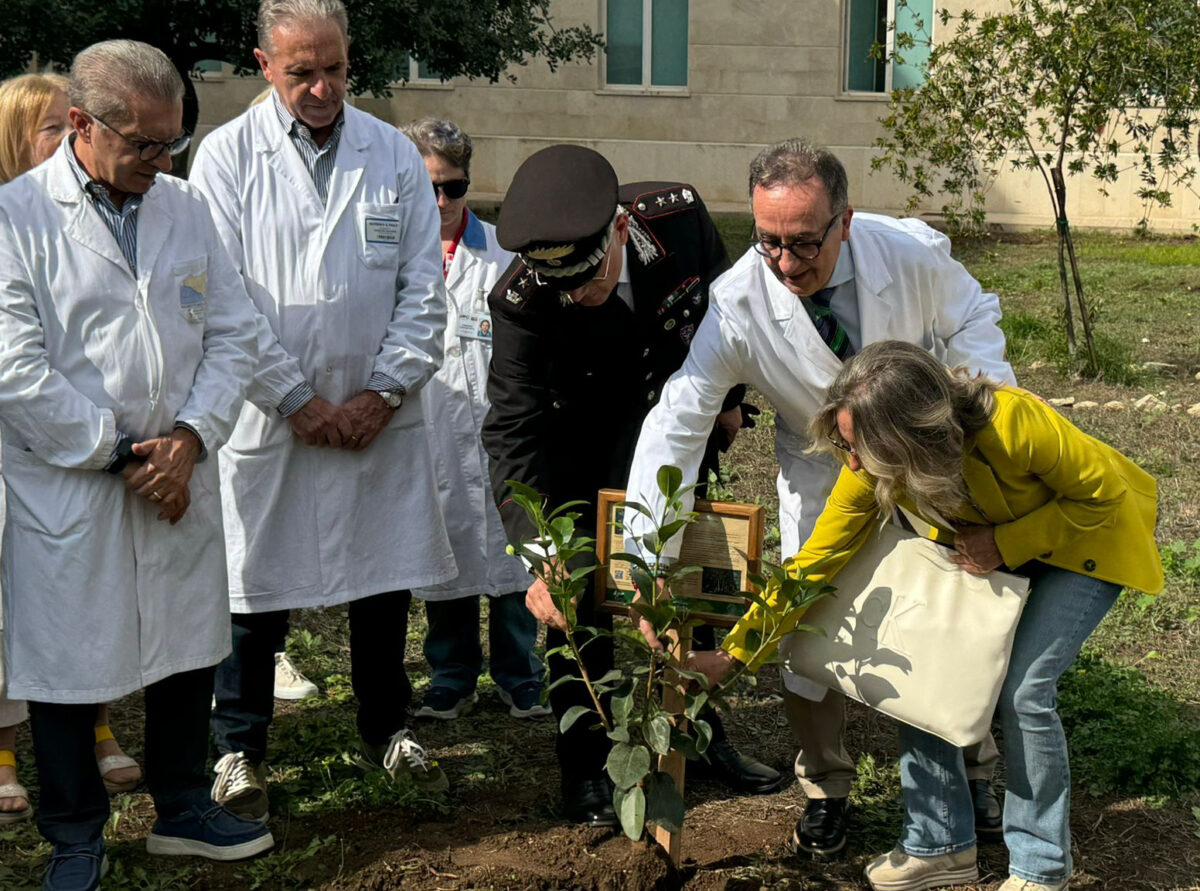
[
  {"x": 911, "y": 416},
  {"x": 23, "y": 103}
]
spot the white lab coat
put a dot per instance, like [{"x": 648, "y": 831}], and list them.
[
  {"x": 756, "y": 332},
  {"x": 346, "y": 290},
  {"x": 102, "y": 598},
  {"x": 455, "y": 404}
]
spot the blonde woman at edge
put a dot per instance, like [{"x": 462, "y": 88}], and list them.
[
  {"x": 1011, "y": 484},
  {"x": 33, "y": 121}
]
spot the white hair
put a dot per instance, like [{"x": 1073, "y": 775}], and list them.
[{"x": 106, "y": 78}]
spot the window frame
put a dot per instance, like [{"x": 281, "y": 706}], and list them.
[
  {"x": 844, "y": 91},
  {"x": 646, "y": 87}
]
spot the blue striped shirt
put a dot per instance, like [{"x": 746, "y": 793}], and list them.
[
  {"x": 121, "y": 221},
  {"x": 318, "y": 159}
]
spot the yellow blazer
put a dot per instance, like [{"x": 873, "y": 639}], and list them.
[{"x": 1052, "y": 492}]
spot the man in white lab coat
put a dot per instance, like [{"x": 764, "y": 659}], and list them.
[
  {"x": 819, "y": 282},
  {"x": 327, "y": 481},
  {"x": 126, "y": 345}
]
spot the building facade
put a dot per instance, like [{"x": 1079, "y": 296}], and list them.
[{"x": 693, "y": 89}]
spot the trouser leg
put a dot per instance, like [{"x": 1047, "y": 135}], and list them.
[
  {"x": 980, "y": 759},
  {"x": 72, "y": 805},
  {"x": 938, "y": 815},
  {"x": 512, "y": 639},
  {"x": 378, "y": 630},
  {"x": 177, "y": 715},
  {"x": 582, "y": 750},
  {"x": 823, "y": 767},
  {"x": 452, "y": 643},
  {"x": 244, "y": 685}
]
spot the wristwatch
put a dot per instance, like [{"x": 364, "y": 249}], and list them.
[{"x": 391, "y": 398}]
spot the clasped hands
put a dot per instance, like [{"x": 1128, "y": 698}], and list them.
[
  {"x": 351, "y": 425},
  {"x": 163, "y": 477}
]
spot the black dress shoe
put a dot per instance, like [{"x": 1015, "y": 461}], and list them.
[
  {"x": 822, "y": 828},
  {"x": 725, "y": 764},
  {"x": 588, "y": 800},
  {"x": 989, "y": 816}
]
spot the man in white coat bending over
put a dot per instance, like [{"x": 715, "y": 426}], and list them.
[
  {"x": 126, "y": 344},
  {"x": 327, "y": 481},
  {"x": 819, "y": 282}
]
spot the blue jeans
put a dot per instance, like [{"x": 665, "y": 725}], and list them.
[
  {"x": 1063, "y": 609},
  {"x": 452, "y": 643}
]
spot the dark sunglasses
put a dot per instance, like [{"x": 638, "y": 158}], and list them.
[{"x": 452, "y": 188}]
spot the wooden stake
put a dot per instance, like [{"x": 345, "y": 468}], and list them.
[{"x": 674, "y": 763}]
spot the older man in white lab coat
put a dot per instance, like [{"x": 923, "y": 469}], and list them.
[
  {"x": 327, "y": 481},
  {"x": 820, "y": 282},
  {"x": 126, "y": 345}
]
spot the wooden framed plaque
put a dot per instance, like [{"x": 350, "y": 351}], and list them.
[{"x": 726, "y": 541}]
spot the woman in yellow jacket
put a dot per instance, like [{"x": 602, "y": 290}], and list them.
[{"x": 1010, "y": 483}]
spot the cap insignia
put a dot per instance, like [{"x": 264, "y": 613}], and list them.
[{"x": 551, "y": 256}]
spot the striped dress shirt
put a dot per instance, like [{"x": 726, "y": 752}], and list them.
[
  {"x": 318, "y": 159},
  {"x": 121, "y": 221}
]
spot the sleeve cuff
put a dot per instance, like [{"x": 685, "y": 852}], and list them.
[
  {"x": 300, "y": 396},
  {"x": 384, "y": 383},
  {"x": 192, "y": 430}
]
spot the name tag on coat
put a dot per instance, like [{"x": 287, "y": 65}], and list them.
[{"x": 382, "y": 231}]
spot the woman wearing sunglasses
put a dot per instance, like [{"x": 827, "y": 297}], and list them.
[
  {"x": 456, "y": 404},
  {"x": 1011, "y": 484}
]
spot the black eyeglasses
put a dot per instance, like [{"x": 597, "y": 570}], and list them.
[
  {"x": 838, "y": 443},
  {"x": 149, "y": 149},
  {"x": 801, "y": 250},
  {"x": 452, "y": 188}
]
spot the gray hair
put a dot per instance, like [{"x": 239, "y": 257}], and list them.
[
  {"x": 911, "y": 416},
  {"x": 273, "y": 14},
  {"x": 442, "y": 138},
  {"x": 795, "y": 161},
  {"x": 106, "y": 77}
]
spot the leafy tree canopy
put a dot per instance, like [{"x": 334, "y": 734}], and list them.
[{"x": 472, "y": 38}]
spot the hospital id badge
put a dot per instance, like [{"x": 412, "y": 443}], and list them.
[{"x": 476, "y": 324}]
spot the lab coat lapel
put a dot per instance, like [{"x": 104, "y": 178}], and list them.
[
  {"x": 153, "y": 232},
  {"x": 283, "y": 156},
  {"x": 871, "y": 278},
  {"x": 82, "y": 222},
  {"x": 348, "y": 168}
]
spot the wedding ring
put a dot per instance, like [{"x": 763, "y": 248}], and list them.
[{"x": 154, "y": 496}]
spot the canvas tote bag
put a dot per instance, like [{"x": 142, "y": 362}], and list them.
[{"x": 911, "y": 634}]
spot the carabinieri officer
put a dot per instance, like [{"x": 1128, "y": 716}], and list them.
[{"x": 589, "y": 321}]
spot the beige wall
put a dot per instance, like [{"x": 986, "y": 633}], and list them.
[{"x": 758, "y": 71}]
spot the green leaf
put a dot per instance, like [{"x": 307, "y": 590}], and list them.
[
  {"x": 621, "y": 703},
  {"x": 632, "y": 559},
  {"x": 664, "y": 804},
  {"x": 630, "y": 805},
  {"x": 609, "y": 676},
  {"x": 695, "y": 704},
  {"x": 574, "y": 713},
  {"x": 519, "y": 488},
  {"x": 627, "y": 764},
  {"x": 703, "y": 734},
  {"x": 669, "y": 530},
  {"x": 670, "y": 478},
  {"x": 565, "y": 679},
  {"x": 658, "y": 734},
  {"x": 620, "y": 734},
  {"x": 581, "y": 572}
]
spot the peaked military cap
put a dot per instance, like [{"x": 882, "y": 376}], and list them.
[{"x": 558, "y": 214}]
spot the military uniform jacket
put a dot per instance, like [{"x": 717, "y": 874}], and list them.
[{"x": 570, "y": 385}]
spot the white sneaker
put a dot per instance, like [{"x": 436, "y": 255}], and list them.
[
  {"x": 241, "y": 787},
  {"x": 402, "y": 754},
  {"x": 901, "y": 871},
  {"x": 1014, "y": 883},
  {"x": 289, "y": 682}
]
